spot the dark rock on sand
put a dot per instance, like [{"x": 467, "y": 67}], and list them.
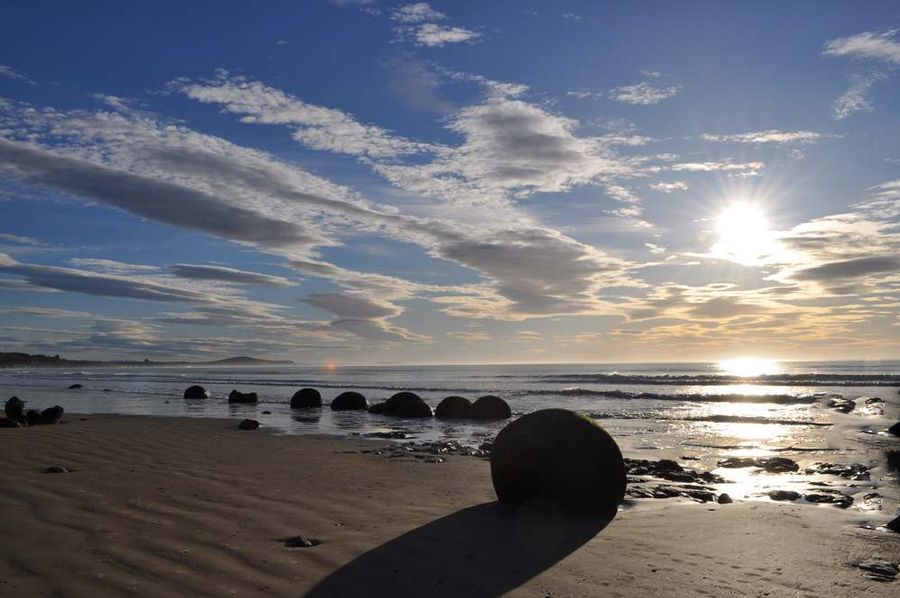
[
  {"x": 348, "y": 401},
  {"x": 880, "y": 570},
  {"x": 838, "y": 499},
  {"x": 490, "y": 407},
  {"x": 454, "y": 408},
  {"x": 51, "y": 415},
  {"x": 300, "y": 542},
  {"x": 32, "y": 417},
  {"x": 56, "y": 469},
  {"x": 242, "y": 397},
  {"x": 850, "y": 471},
  {"x": 560, "y": 456},
  {"x": 724, "y": 499},
  {"x": 248, "y": 424},
  {"x": 893, "y": 525},
  {"x": 9, "y": 423},
  {"x": 769, "y": 464},
  {"x": 14, "y": 408},
  {"x": 895, "y": 429},
  {"x": 196, "y": 392},
  {"x": 841, "y": 404},
  {"x": 76, "y": 386},
  {"x": 783, "y": 495},
  {"x": 305, "y": 398},
  {"x": 409, "y": 403}
]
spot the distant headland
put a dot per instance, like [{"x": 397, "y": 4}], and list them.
[{"x": 17, "y": 360}]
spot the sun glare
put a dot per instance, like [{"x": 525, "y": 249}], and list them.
[
  {"x": 743, "y": 234},
  {"x": 749, "y": 367}
]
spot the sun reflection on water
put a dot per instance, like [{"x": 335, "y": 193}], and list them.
[{"x": 749, "y": 367}]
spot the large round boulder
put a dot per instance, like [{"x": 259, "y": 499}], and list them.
[
  {"x": 895, "y": 429},
  {"x": 398, "y": 400},
  {"x": 242, "y": 397},
  {"x": 14, "y": 408},
  {"x": 51, "y": 415},
  {"x": 196, "y": 392},
  {"x": 454, "y": 408},
  {"x": 306, "y": 397},
  {"x": 490, "y": 407},
  {"x": 559, "y": 456},
  {"x": 348, "y": 401},
  {"x": 414, "y": 409}
]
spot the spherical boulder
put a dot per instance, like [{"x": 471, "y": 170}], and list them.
[
  {"x": 558, "y": 456},
  {"x": 490, "y": 407},
  {"x": 306, "y": 397},
  {"x": 392, "y": 405},
  {"x": 895, "y": 429},
  {"x": 414, "y": 409},
  {"x": 454, "y": 408},
  {"x": 349, "y": 401},
  {"x": 242, "y": 397},
  {"x": 14, "y": 408},
  {"x": 196, "y": 392},
  {"x": 51, "y": 415},
  {"x": 32, "y": 417}
]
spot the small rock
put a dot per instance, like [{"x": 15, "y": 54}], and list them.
[
  {"x": 57, "y": 469},
  {"x": 51, "y": 415},
  {"x": 76, "y": 386},
  {"x": 248, "y": 424},
  {"x": 841, "y": 404},
  {"x": 724, "y": 499},
  {"x": 784, "y": 495},
  {"x": 769, "y": 464},
  {"x": 880, "y": 570},
  {"x": 300, "y": 542},
  {"x": 267, "y": 413}
]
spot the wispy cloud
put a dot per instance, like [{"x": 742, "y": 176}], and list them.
[
  {"x": 869, "y": 45},
  {"x": 773, "y": 136},
  {"x": 670, "y": 187},
  {"x": 419, "y": 24},
  {"x": 230, "y": 275},
  {"x": 644, "y": 93},
  {"x": 855, "y": 99},
  {"x": 11, "y": 73}
]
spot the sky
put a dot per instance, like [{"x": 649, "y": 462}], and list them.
[{"x": 365, "y": 181}]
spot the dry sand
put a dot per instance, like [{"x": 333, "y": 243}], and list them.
[{"x": 171, "y": 507}]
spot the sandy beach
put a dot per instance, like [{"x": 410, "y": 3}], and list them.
[{"x": 176, "y": 506}]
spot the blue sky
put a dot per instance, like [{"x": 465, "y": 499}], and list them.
[{"x": 377, "y": 182}]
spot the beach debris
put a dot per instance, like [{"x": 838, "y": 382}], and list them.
[
  {"x": 490, "y": 407},
  {"x": 783, "y": 495},
  {"x": 893, "y": 525},
  {"x": 300, "y": 542},
  {"x": 769, "y": 464},
  {"x": 839, "y": 403},
  {"x": 851, "y": 471},
  {"x": 196, "y": 392},
  {"x": 560, "y": 456},
  {"x": 880, "y": 570},
  {"x": 248, "y": 424},
  {"x": 242, "y": 397},
  {"x": 57, "y": 469},
  {"x": 349, "y": 401},
  {"x": 724, "y": 499},
  {"x": 454, "y": 407},
  {"x": 75, "y": 386},
  {"x": 306, "y": 398},
  {"x": 14, "y": 408}
]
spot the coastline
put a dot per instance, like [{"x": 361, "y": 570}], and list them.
[{"x": 189, "y": 506}]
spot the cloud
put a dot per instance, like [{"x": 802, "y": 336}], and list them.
[
  {"x": 669, "y": 187},
  {"x": 853, "y": 268},
  {"x": 229, "y": 275},
  {"x": 353, "y": 306},
  {"x": 378, "y": 330},
  {"x": 11, "y": 73},
  {"x": 739, "y": 168},
  {"x": 111, "y": 266},
  {"x": 771, "y": 136},
  {"x": 21, "y": 240},
  {"x": 644, "y": 93},
  {"x": 473, "y": 336},
  {"x": 416, "y": 13},
  {"x": 318, "y": 127},
  {"x": 855, "y": 98},
  {"x": 416, "y": 85},
  {"x": 867, "y": 45}
]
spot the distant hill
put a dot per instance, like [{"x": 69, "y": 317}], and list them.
[{"x": 18, "y": 360}]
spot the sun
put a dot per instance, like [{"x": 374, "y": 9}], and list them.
[
  {"x": 743, "y": 234},
  {"x": 749, "y": 367}
]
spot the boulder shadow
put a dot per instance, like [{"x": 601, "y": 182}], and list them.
[{"x": 485, "y": 550}]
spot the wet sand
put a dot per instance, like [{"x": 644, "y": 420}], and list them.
[{"x": 194, "y": 507}]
